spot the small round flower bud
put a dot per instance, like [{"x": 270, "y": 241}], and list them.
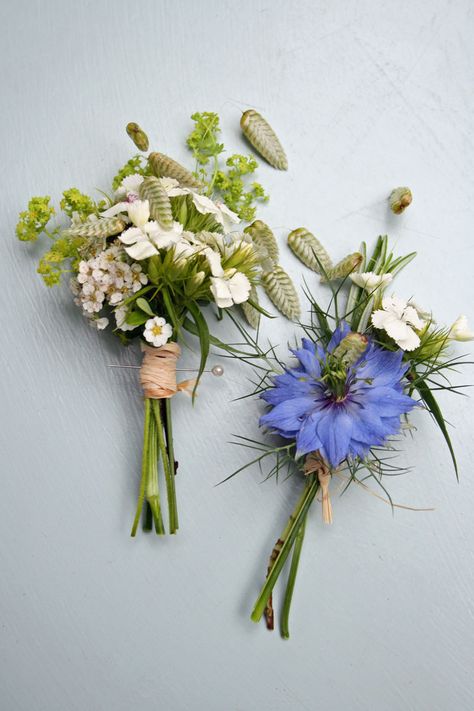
[
  {"x": 399, "y": 200},
  {"x": 351, "y": 348},
  {"x": 138, "y": 136}
]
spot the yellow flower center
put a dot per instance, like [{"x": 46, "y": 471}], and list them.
[{"x": 156, "y": 330}]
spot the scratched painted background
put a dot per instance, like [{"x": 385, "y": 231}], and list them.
[{"x": 365, "y": 96}]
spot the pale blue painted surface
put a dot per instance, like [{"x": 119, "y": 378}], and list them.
[{"x": 365, "y": 96}]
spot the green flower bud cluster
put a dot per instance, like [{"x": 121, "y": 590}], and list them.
[
  {"x": 32, "y": 222},
  {"x": 74, "y": 201},
  {"x": 231, "y": 181}
]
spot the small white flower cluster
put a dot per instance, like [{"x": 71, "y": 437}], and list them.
[
  {"x": 145, "y": 237},
  {"x": 107, "y": 278}
]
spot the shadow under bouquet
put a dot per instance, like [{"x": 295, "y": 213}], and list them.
[
  {"x": 363, "y": 364},
  {"x": 146, "y": 260}
]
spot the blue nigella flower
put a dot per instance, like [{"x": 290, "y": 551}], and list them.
[{"x": 340, "y": 411}]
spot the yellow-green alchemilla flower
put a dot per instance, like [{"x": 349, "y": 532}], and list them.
[
  {"x": 371, "y": 281},
  {"x": 157, "y": 331},
  {"x": 398, "y": 319},
  {"x": 233, "y": 288},
  {"x": 460, "y": 330}
]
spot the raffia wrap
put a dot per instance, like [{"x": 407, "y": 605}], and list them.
[
  {"x": 315, "y": 464},
  {"x": 158, "y": 372}
]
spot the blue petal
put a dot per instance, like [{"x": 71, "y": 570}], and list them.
[
  {"x": 335, "y": 430},
  {"x": 309, "y": 345},
  {"x": 307, "y": 439},
  {"x": 309, "y": 362},
  {"x": 386, "y": 402},
  {"x": 288, "y": 415},
  {"x": 341, "y": 332},
  {"x": 381, "y": 367}
]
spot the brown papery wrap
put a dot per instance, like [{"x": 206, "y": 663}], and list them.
[{"x": 158, "y": 372}]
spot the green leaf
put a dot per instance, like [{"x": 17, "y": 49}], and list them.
[
  {"x": 254, "y": 304},
  {"x": 143, "y": 305},
  {"x": 432, "y": 405},
  {"x": 171, "y": 311},
  {"x": 136, "y": 318},
  {"x": 191, "y": 327},
  {"x": 203, "y": 334}
]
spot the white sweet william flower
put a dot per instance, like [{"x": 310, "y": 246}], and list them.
[
  {"x": 214, "y": 261},
  {"x": 130, "y": 185},
  {"x": 157, "y": 331},
  {"x": 163, "y": 239},
  {"x": 144, "y": 241},
  {"x": 172, "y": 187},
  {"x": 233, "y": 288},
  {"x": 398, "y": 319},
  {"x": 139, "y": 212},
  {"x": 220, "y": 211},
  {"x": 460, "y": 330},
  {"x": 371, "y": 281},
  {"x": 137, "y": 241}
]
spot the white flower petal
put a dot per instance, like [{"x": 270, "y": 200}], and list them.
[
  {"x": 141, "y": 250},
  {"x": 239, "y": 288},
  {"x": 394, "y": 304},
  {"x": 221, "y": 292},
  {"x": 410, "y": 342},
  {"x": 460, "y": 330},
  {"x": 115, "y": 209},
  {"x": 139, "y": 212},
  {"x": 131, "y": 184},
  {"x": 130, "y": 236},
  {"x": 411, "y": 316},
  {"x": 157, "y": 331},
  {"x": 205, "y": 205},
  {"x": 371, "y": 281},
  {"x": 214, "y": 259}
]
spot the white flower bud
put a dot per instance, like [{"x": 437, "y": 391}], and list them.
[{"x": 460, "y": 330}]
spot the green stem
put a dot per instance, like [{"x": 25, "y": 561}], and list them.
[
  {"x": 152, "y": 490},
  {"x": 143, "y": 481},
  {"x": 290, "y": 585},
  {"x": 170, "y": 448},
  {"x": 287, "y": 540},
  {"x": 170, "y": 490}
]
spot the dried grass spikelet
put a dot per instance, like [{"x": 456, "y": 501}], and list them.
[
  {"x": 252, "y": 316},
  {"x": 399, "y": 199},
  {"x": 263, "y": 238},
  {"x": 160, "y": 205},
  {"x": 164, "y": 167},
  {"x": 310, "y": 251},
  {"x": 104, "y": 227},
  {"x": 345, "y": 267},
  {"x": 281, "y": 292},
  {"x": 138, "y": 136},
  {"x": 264, "y": 139},
  {"x": 315, "y": 464}
]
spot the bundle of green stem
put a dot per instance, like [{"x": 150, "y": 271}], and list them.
[
  {"x": 158, "y": 379},
  {"x": 291, "y": 539},
  {"x": 157, "y": 445}
]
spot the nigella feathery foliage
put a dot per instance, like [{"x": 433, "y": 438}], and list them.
[{"x": 344, "y": 401}]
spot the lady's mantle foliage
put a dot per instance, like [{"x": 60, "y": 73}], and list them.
[{"x": 340, "y": 409}]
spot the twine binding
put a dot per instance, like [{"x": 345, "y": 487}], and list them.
[
  {"x": 158, "y": 372},
  {"x": 315, "y": 464}
]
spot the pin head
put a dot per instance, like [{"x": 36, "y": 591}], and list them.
[{"x": 217, "y": 370}]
